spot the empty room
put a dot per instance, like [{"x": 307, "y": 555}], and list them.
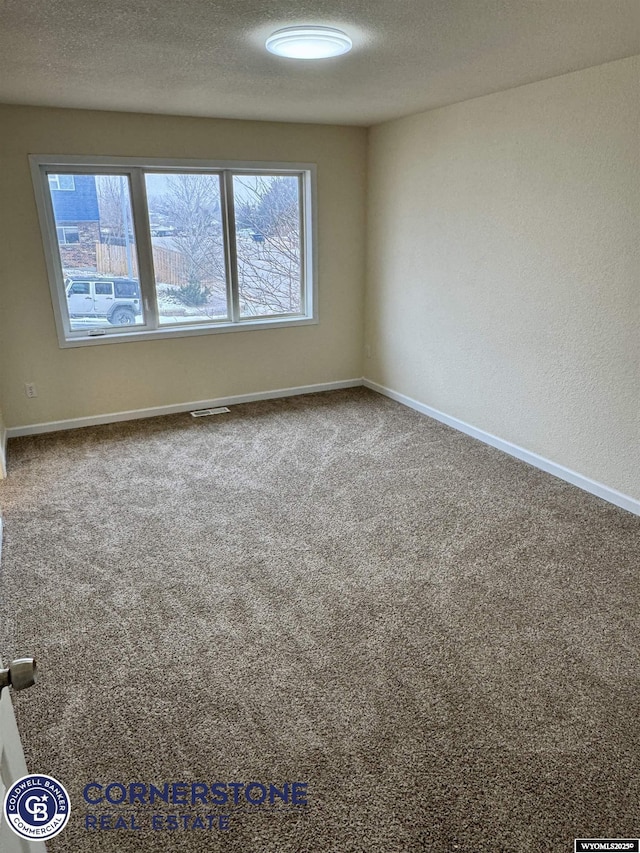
[{"x": 320, "y": 426}]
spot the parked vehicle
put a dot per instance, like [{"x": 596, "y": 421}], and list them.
[{"x": 115, "y": 299}]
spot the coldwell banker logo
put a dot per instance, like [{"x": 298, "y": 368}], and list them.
[{"x": 37, "y": 807}]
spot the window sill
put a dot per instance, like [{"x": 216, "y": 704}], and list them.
[{"x": 183, "y": 332}]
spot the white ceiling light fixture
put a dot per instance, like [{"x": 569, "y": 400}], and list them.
[{"x": 305, "y": 42}]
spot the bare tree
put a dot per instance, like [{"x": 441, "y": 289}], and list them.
[
  {"x": 116, "y": 225},
  {"x": 113, "y": 201},
  {"x": 267, "y": 215},
  {"x": 191, "y": 204},
  {"x": 269, "y": 257}
]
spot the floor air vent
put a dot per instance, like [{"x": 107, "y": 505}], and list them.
[{"x": 203, "y": 413}]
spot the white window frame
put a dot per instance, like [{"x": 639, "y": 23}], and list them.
[{"x": 134, "y": 168}]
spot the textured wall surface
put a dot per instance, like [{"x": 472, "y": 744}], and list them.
[
  {"x": 101, "y": 379},
  {"x": 503, "y": 267},
  {"x": 3, "y": 439}
]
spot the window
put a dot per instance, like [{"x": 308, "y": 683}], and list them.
[
  {"x": 62, "y": 182},
  {"x": 268, "y": 245},
  {"x": 175, "y": 248},
  {"x": 68, "y": 234},
  {"x": 189, "y": 263},
  {"x": 104, "y": 288}
]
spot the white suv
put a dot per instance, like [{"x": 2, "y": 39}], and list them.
[{"x": 116, "y": 299}]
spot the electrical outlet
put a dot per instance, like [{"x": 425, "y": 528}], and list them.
[
  {"x": 30, "y": 389},
  {"x": 367, "y": 350}
]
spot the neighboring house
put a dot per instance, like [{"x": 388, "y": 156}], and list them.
[{"x": 75, "y": 206}]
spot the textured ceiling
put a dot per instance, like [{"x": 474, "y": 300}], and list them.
[{"x": 206, "y": 57}]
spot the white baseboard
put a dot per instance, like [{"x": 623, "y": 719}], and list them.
[
  {"x": 135, "y": 414},
  {"x": 600, "y": 490},
  {"x": 579, "y": 480}
]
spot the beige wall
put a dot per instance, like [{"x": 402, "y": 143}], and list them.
[
  {"x": 503, "y": 284},
  {"x": 102, "y": 379},
  {"x": 3, "y": 433},
  {"x": 3, "y": 441},
  {"x": 502, "y": 269}
]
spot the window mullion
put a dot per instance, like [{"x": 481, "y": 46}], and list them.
[
  {"x": 145, "y": 247},
  {"x": 231, "y": 255}
]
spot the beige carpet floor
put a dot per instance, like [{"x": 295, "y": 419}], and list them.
[{"x": 441, "y": 641}]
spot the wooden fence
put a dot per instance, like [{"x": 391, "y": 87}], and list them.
[{"x": 170, "y": 267}]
